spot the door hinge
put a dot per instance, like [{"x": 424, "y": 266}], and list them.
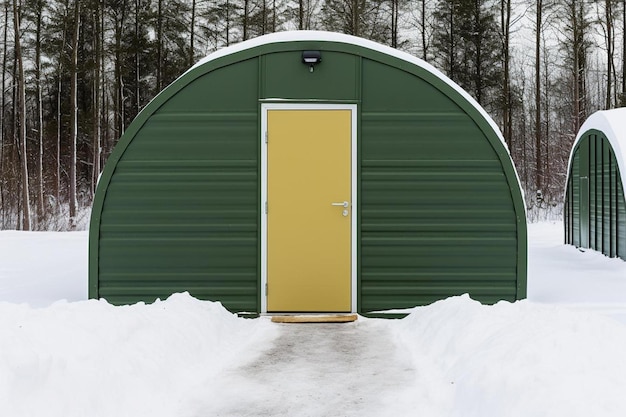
[
  {"x": 266, "y": 137},
  {"x": 266, "y": 207},
  {"x": 266, "y": 289}
]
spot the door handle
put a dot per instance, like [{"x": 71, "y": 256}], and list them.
[{"x": 343, "y": 204}]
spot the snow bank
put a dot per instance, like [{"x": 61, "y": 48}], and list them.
[
  {"x": 516, "y": 359},
  {"x": 93, "y": 359},
  {"x": 552, "y": 355},
  {"x": 563, "y": 275},
  {"x": 39, "y": 268}
]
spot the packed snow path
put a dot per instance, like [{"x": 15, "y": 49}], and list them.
[{"x": 350, "y": 369}]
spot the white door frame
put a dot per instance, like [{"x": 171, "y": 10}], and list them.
[{"x": 265, "y": 107}]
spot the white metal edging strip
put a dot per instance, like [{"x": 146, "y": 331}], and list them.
[{"x": 265, "y": 107}]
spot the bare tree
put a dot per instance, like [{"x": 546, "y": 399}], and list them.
[
  {"x": 576, "y": 45},
  {"x": 39, "y": 103},
  {"x": 192, "y": 33},
  {"x": 2, "y": 110},
  {"x": 137, "y": 56},
  {"x": 60, "y": 73},
  {"x": 395, "y": 15},
  {"x": 608, "y": 27},
  {"x": 118, "y": 13},
  {"x": 74, "y": 114},
  {"x": 538, "y": 26},
  {"x": 364, "y": 18},
  {"x": 97, "y": 92},
  {"x": 423, "y": 31},
  {"x": 306, "y": 11},
  {"x": 445, "y": 39},
  {"x": 21, "y": 116},
  {"x": 159, "y": 40},
  {"x": 505, "y": 23},
  {"x": 623, "y": 98}
]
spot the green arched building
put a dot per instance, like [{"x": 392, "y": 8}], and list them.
[
  {"x": 595, "y": 208},
  {"x": 309, "y": 172}
]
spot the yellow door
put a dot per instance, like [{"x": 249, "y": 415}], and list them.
[{"x": 308, "y": 227}]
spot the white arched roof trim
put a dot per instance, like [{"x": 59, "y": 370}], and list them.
[
  {"x": 312, "y": 35},
  {"x": 613, "y": 124}
]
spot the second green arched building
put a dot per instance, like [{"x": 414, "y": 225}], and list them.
[
  {"x": 595, "y": 203},
  {"x": 309, "y": 172}
]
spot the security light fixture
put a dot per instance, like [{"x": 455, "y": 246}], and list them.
[{"x": 311, "y": 58}]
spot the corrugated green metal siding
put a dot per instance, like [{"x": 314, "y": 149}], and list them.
[
  {"x": 576, "y": 201},
  {"x": 613, "y": 204},
  {"x": 621, "y": 221},
  {"x": 567, "y": 208},
  {"x": 584, "y": 193},
  {"x": 593, "y": 189},
  {"x": 599, "y": 207},
  {"x": 437, "y": 216},
  {"x": 601, "y": 214},
  {"x": 606, "y": 203},
  {"x": 336, "y": 78},
  {"x": 181, "y": 211}
]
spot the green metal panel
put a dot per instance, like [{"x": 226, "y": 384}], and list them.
[
  {"x": 437, "y": 214},
  {"x": 333, "y": 79},
  {"x": 593, "y": 143},
  {"x": 576, "y": 199},
  {"x": 599, "y": 209},
  {"x": 441, "y": 211},
  {"x": 605, "y": 219},
  {"x": 606, "y": 198},
  {"x": 181, "y": 209},
  {"x": 230, "y": 89},
  {"x": 613, "y": 208},
  {"x": 583, "y": 182},
  {"x": 621, "y": 220},
  {"x": 568, "y": 216}
]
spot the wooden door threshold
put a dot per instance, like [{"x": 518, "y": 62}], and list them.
[{"x": 315, "y": 318}]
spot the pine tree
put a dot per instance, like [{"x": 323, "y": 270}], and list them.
[
  {"x": 363, "y": 18},
  {"x": 470, "y": 51}
]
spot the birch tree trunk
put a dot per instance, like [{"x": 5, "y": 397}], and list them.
[
  {"x": 423, "y": 31},
  {"x": 2, "y": 125},
  {"x": 40, "y": 127},
  {"x": 97, "y": 139},
  {"x": 21, "y": 114},
  {"x": 119, "y": 17},
  {"x": 74, "y": 115},
  {"x": 60, "y": 72},
  {"x": 137, "y": 59},
  {"x": 538, "y": 163},
  {"x": 192, "y": 33},
  {"x": 624, "y": 54},
  {"x": 159, "y": 74},
  {"x": 609, "y": 53},
  {"x": 507, "y": 119}
]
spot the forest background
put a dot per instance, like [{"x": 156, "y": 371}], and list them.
[{"x": 76, "y": 72}]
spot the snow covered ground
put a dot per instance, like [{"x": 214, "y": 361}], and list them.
[{"x": 559, "y": 353}]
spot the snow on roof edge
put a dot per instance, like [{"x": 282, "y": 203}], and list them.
[
  {"x": 314, "y": 35},
  {"x": 613, "y": 124}
]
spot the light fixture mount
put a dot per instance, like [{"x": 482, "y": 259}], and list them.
[{"x": 311, "y": 58}]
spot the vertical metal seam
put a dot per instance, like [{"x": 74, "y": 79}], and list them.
[
  {"x": 603, "y": 198},
  {"x": 610, "y": 217}
]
